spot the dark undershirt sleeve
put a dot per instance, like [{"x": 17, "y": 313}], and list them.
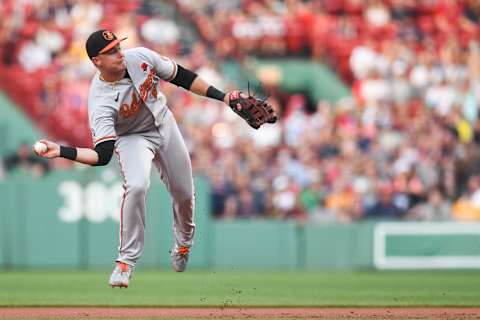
[
  {"x": 184, "y": 78},
  {"x": 105, "y": 152}
]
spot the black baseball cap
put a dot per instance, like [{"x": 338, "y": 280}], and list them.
[{"x": 101, "y": 41}]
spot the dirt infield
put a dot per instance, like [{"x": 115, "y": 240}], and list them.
[{"x": 239, "y": 313}]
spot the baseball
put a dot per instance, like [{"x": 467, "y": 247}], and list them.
[{"x": 40, "y": 147}]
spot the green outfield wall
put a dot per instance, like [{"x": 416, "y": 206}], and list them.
[{"x": 70, "y": 219}]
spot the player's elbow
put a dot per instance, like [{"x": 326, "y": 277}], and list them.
[
  {"x": 101, "y": 163},
  {"x": 105, "y": 152}
]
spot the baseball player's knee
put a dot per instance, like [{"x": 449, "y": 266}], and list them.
[{"x": 137, "y": 188}]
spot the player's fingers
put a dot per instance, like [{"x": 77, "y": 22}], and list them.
[
  {"x": 48, "y": 143},
  {"x": 33, "y": 149},
  {"x": 238, "y": 106}
]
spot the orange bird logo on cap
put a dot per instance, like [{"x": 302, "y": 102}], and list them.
[{"x": 107, "y": 35}]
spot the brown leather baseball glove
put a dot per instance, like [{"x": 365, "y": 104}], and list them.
[{"x": 253, "y": 110}]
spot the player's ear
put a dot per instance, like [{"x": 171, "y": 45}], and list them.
[{"x": 96, "y": 61}]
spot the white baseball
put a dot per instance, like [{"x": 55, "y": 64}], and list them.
[{"x": 40, "y": 147}]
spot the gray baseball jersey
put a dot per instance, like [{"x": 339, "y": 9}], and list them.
[
  {"x": 133, "y": 111},
  {"x": 119, "y": 108}
]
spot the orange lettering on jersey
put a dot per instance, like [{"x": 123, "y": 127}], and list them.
[
  {"x": 126, "y": 111},
  {"x": 154, "y": 92},
  {"x": 149, "y": 84}
]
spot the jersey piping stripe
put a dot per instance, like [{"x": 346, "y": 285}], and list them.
[
  {"x": 174, "y": 72},
  {"x": 105, "y": 138},
  {"x": 123, "y": 202}
]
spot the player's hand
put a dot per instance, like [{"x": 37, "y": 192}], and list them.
[
  {"x": 53, "y": 150},
  {"x": 226, "y": 100},
  {"x": 235, "y": 93},
  {"x": 254, "y": 111}
]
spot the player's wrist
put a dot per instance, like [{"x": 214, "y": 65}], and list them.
[{"x": 214, "y": 93}]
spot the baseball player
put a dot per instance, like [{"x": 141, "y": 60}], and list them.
[{"x": 128, "y": 115}]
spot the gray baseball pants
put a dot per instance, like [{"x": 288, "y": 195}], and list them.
[{"x": 164, "y": 146}]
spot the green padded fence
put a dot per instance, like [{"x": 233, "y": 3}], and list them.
[{"x": 70, "y": 219}]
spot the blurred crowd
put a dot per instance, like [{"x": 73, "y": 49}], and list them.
[
  {"x": 405, "y": 146},
  {"x": 328, "y": 30}
]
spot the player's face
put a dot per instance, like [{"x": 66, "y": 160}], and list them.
[{"x": 112, "y": 60}]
